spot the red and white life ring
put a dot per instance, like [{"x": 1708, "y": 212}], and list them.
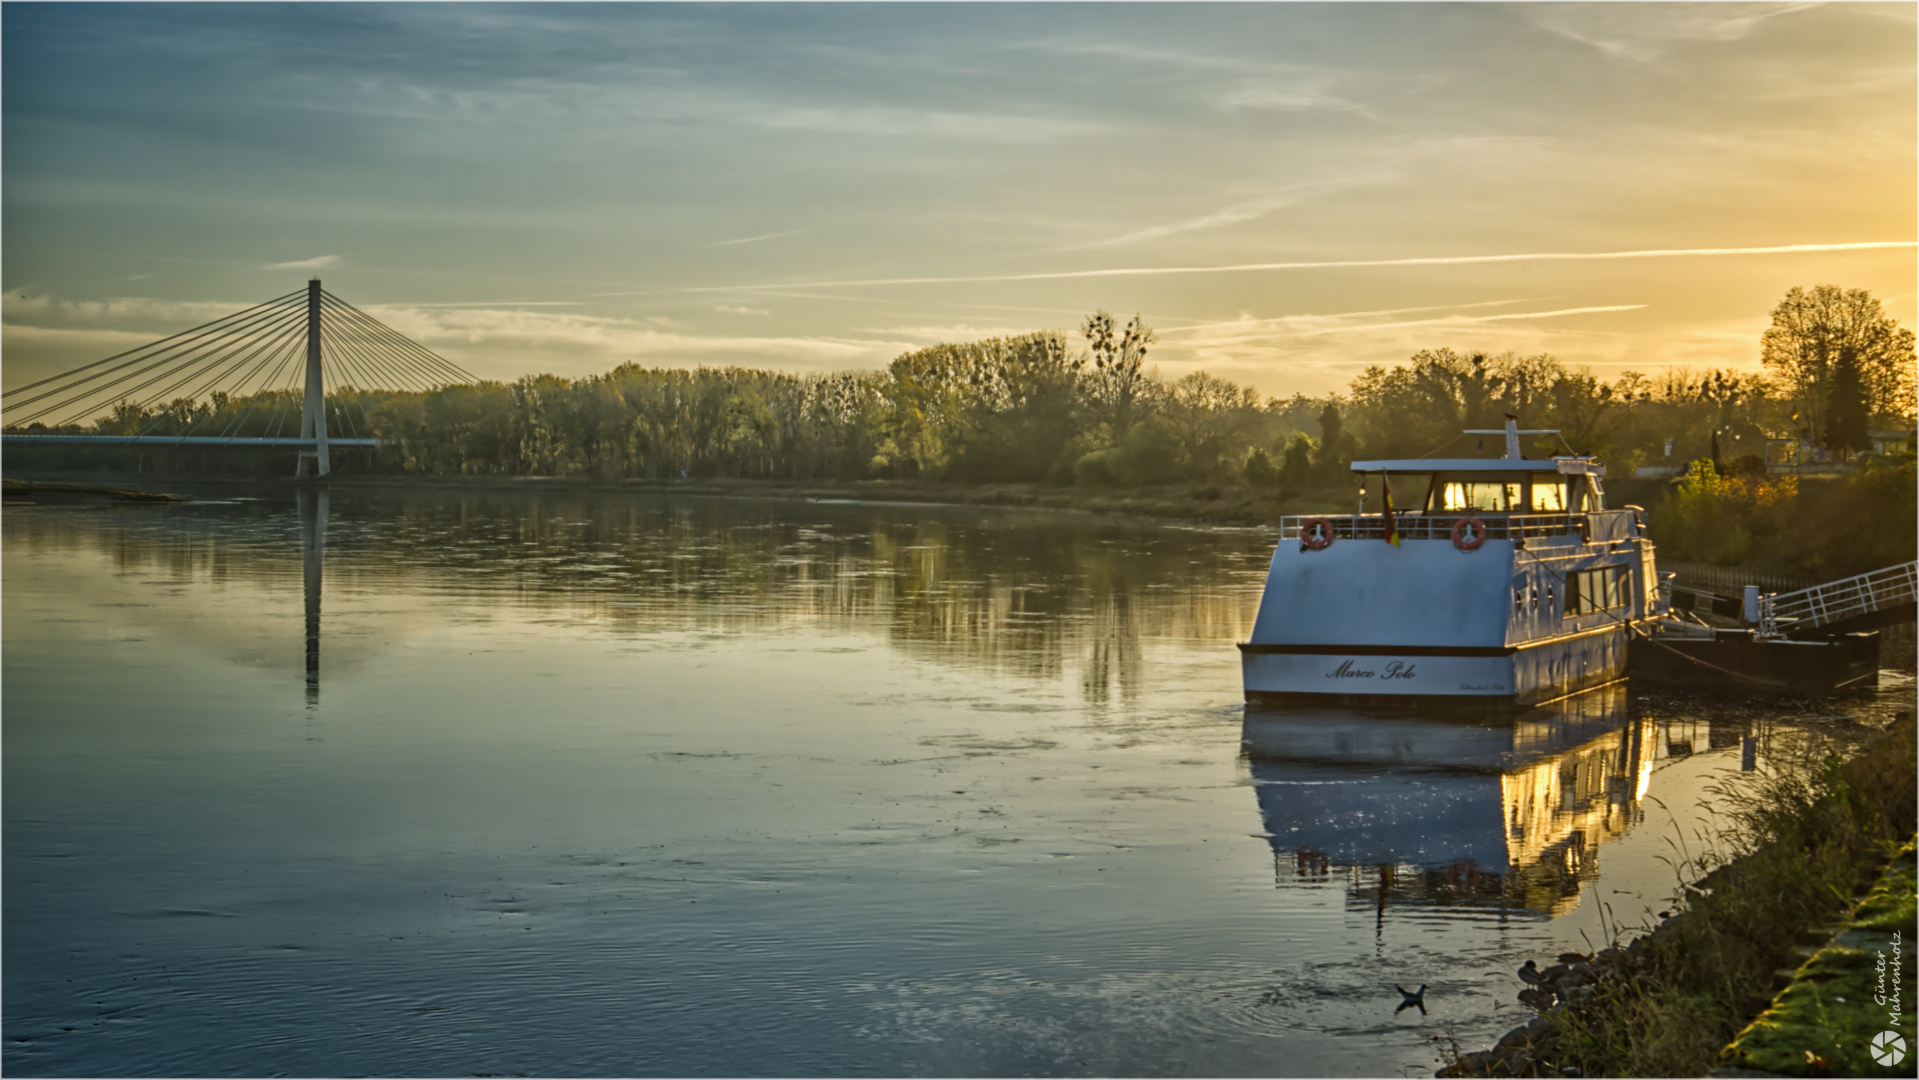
[
  {"x": 1315, "y": 534},
  {"x": 1469, "y": 533}
]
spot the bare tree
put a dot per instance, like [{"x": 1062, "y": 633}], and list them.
[{"x": 1117, "y": 364}]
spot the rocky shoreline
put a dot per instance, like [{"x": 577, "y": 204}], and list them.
[{"x": 1572, "y": 984}]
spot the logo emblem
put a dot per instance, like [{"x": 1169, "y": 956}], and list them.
[{"x": 1888, "y": 1048}]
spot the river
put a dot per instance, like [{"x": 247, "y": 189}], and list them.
[{"x": 441, "y": 782}]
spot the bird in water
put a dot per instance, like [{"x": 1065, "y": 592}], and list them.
[
  {"x": 1530, "y": 974},
  {"x": 1411, "y": 999}
]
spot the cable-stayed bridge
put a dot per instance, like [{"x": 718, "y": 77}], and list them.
[{"x": 255, "y": 378}]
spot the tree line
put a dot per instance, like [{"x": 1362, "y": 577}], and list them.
[{"x": 1043, "y": 407}]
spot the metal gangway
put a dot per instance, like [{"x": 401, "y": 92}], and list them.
[{"x": 1879, "y": 598}]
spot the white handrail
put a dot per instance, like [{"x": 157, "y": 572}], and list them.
[{"x": 1835, "y": 601}]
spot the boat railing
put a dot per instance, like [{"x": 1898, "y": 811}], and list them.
[{"x": 1415, "y": 525}]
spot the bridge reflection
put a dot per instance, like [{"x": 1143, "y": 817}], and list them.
[
  {"x": 313, "y": 521},
  {"x": 1485, "y": 812}
]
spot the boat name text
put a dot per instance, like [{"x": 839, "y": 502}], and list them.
[{"x": 1397, "y": 669}]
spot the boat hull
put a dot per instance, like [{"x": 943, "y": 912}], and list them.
[
  {"x": 1732, "y": 658},
  {"x": 1356, "y": 675}
]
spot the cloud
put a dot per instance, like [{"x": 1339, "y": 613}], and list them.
[
  {"x": 953, "y": 332},
  {"x": 735, "y": 309},
  {"x": 157, "y": 318},
  {"x": 1296, "y": 336},
  {"x": 45, "y": 335},
  {"x": 318, "y": 262},
  {"x": 502, "y": 303},
  {"x": 106, "y": 342},
  {"x": 509, "y": 342},
  {"x": 1321, "y": 353},
  {"x": 1285, "y": 99},
  {"x": 1436, "y": 260}
]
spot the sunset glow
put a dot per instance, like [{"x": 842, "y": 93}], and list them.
[{"x": 1287, "y": 193}]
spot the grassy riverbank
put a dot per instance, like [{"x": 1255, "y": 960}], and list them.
[
  {"x": 1843, "y": 998},
  {"x": 1798, "y": 853}
]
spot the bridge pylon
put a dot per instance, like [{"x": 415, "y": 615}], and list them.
[{"x": 313, "y": 410}]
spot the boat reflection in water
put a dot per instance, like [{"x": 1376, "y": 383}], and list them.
[{"x": 1488, "y": 811}]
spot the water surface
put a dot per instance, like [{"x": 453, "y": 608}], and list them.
[{"x": 422, "y": 782}]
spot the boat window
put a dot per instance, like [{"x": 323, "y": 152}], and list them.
[
  {"x": 1548, "y": 494},
  {"x": 1477, "y": 495},
  {"x": 1601, "y": 589}
]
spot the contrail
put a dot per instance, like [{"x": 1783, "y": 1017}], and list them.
[
  {"x": 1436, "y": 260},
  {"x": 755, "y": 239},
  {"x": 1474, "y": 319},
  {"x": 1249, "y": 324}
]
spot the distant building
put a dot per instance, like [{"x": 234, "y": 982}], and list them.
[
  {"x": 1890, "y": 441},
  {"x": 1800, "y": 456}
]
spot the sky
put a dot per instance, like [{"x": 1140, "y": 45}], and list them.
[{"x": 1286, "y": 193}]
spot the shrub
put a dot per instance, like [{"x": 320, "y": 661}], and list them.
[{"x": 1723, "y": 520}]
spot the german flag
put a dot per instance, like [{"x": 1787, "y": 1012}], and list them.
[{"x": 1392, "y": 527}]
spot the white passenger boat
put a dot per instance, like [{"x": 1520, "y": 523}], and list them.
[{"x": 1505, "y": 581}]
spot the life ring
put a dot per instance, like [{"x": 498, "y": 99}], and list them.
[
  {"x": 1469, "y": 533},
  {"x": 1315, "y": 534}
]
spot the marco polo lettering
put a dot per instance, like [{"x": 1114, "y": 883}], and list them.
[{"x": 1397, "y": 669}]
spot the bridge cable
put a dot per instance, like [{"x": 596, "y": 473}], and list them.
[
  {"x": 207, "y": 364},
  {"x": 434, "y": 364},
  {"x": 221, "y": 364},
  {"x": 365, "y": 378},
  {"x": 267, "y": 371},
  {"x": 373, "y": 350},
  {"x": 452, "y": 372},
  {"x": 225, "y": 327},
  {"x": 353, "y": 338},
  {"x": 271, "y": 319},
  {"x": 269, "y": 347},
  {"x": 377, "y": 339},
  {"x": 253, "y": 400},
  {"x": 151, "y": 344}
]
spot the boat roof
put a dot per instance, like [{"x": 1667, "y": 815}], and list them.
[{"x": 1564, "y": 465}]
